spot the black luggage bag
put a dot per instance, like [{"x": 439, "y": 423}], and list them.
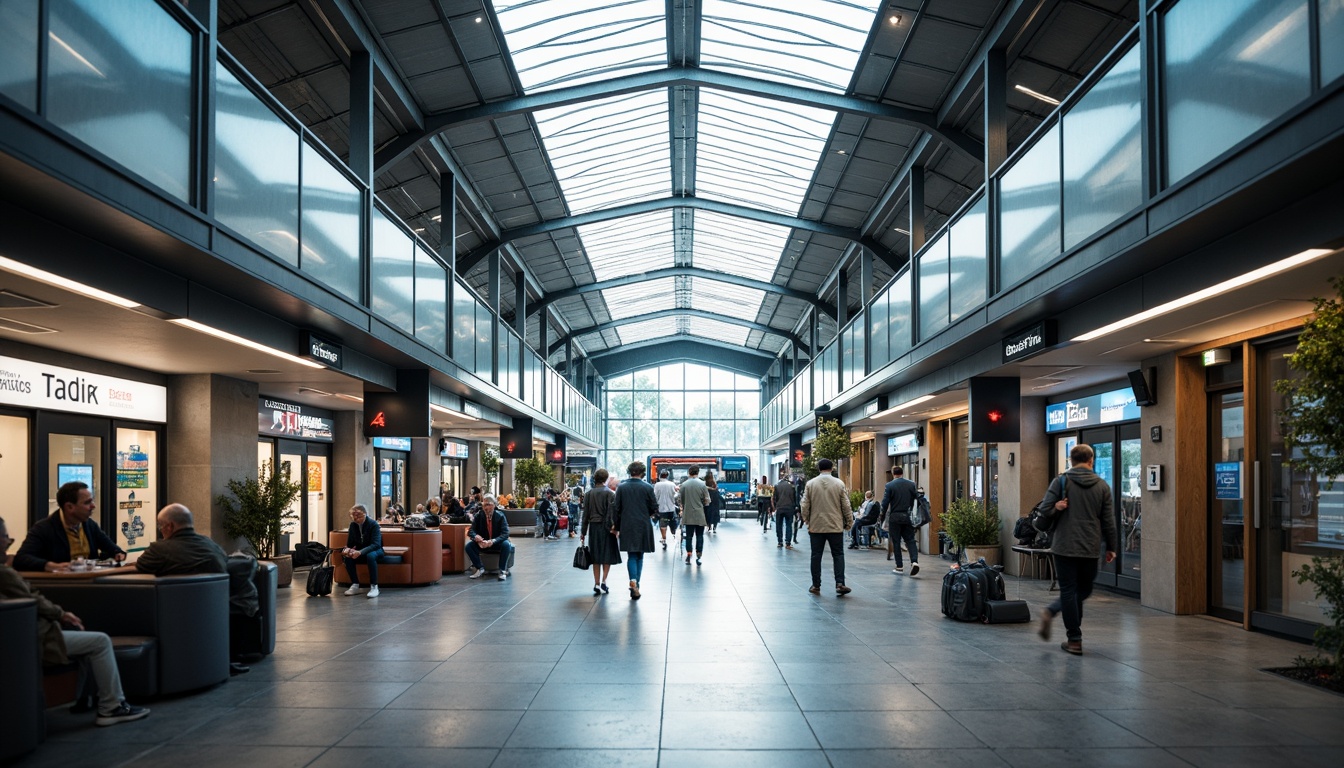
[
  {"x": 967, "y": 589},
  {"x": 320, "y": 577},
  {"x": 1007, "y": 612}
]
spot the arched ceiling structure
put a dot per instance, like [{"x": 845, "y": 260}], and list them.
[{"x": 688, "y": 170}]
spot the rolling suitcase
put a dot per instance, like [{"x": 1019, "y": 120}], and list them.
[{"x": 320, "y": 577}]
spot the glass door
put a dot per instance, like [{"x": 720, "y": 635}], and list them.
[
  {"x": 316, "y": 510},
  {"x": 1227, "y": 521},
  {"x": 1129, "y": 489},
  {"x": 1103, "y": 448},
  {"x": 73, "y": 448},
  {"x": 292, "y": 461},
  {"x": 15, "y": 471}
]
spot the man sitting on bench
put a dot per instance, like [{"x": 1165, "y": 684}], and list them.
[
  {"x": 489, "y": 533},
  {"x": 364, "y": 544}
]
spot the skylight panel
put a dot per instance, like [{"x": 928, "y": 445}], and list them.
[
  {"x": 726, "y": 299},
  {"x": 758, "y": 152},
  {"x": 609, "y": 152},
  {"x": 738, "y": 246},
  {"x": 812, "y": 43},
  {"x": 718, "y": 330},
  {"x": 629, "y": 245},
  {"x": 558, "y": 43},
  {"x": 662, "y": 328},
  {"x": 630, "y": 300}
]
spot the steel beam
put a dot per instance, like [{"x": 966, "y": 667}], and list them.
[
  {"x": 630, "y": 357},
  {"x": 674, "y": 312},
  {"x": 676, "y": 75}
]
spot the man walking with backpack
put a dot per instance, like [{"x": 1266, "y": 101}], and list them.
[
  {"x": 1084, "y": 517},
  {"x": 898, "y": 503}
]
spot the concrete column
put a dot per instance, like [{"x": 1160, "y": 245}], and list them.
[
  {"x": 423, "y": 471},
  {"x": 917, "y": 216},
  {"x": 473, "y": 474},
  {"x": 996, "y": 111},
  {"x": 212, "y": 428},
  {"x": 352, "y": 469},
  {"x": 505, "y": 484}
]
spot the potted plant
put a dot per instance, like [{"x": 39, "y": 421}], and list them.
[
  {"x": 974, "y": 527},
  {"x": 490, "y": 466},
  {"x": 532, "y": 475},
  {"x": 258, "y": 510}
]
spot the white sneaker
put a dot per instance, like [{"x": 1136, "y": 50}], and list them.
[
  {"x": 373, "y": 591},
  {"x": 477, "y": 573},
  {"x": 914, "y": 569},
  {"x": 898, "y": 569},
  {"x": 503, "y": 575},
  {"x": 353, "y": 590}
]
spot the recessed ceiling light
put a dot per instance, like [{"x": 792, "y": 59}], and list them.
[
  {"x": 436, "y": 217},
  {"x": 478, "y": 19},
  {"x": 262, "y": 370},
  {"x": 902, "y": 231},
  {"x": 242, "y": 342},
  {"x": 43, "y": 276},
  {"x": 894, "y": 19},
  {"x": 1036, "y": 94},
  {"x": 839, "y": 151}
]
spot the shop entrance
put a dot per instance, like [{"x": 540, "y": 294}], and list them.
[
  {"x": 119, "y": 461},
  {"x": 309, "y": 465},
  {"x": 1117, "y": 462}
]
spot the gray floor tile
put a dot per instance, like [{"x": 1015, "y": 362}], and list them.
[
  {"x": 597, "y": 730},
  {"x": 606, "y": 672},
  {"x": 917, "y": 758},
  {"x": 429, "y": 728},
  {"x": 365, "y": 671},
  {"x": 956, "y": 696},
  {"x": 520, "y": 671},
  {"x": 573, "y": 758},
  {"x": 328, "y": 695},
  {"x": 582, "y": 697},
  {"x": 178, "y": 755},
  {"x": 1221, "y": 727},
  {"x": 441, "y": 695},
  {"x": 1027, "y": 728},
  {"x": 362, "y": 757},
  {"x": 736, "y": 697},
  {"x": 1109, "y": 757},
  {"x": 737, "y": 730},
  {"x": 1267, "y": 692},
  {"x": 1260, "y": 757},
  {"x": 713, "y": 673},
  {"x": 743, "y": 758},
  {"x": 914, "y": 729}
]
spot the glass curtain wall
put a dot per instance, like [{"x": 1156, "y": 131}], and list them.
[{"x": 678, "y": 408}]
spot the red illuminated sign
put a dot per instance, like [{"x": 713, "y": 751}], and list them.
[{"x": 378, "y": 421}]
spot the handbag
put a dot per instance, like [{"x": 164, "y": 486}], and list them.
[
  {"x": 1044, "y": 516},
  {"x": 582, "y": 558}
]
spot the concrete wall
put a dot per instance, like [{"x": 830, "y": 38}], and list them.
[
  {"x": 212, "y": 431},
  {"x": 352, "y": 470},
  {"x": 1158, "y": 589}
]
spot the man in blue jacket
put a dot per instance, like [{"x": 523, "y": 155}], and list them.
[
  {"x": 898, "y": 502},
  {"x": 489, "y": 533},
  {"x": 66, "y": 534},
  {"x": 364, "y": 543}
]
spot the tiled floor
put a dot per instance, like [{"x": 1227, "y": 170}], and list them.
[{"x": 729, "y": 663}]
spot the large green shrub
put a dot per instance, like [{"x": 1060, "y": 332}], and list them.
[
  {"x": 1326, "y": 574},
  {"x": 531, "y": 475},
  {"x": 1314, "y": 410},
  {"x": 259, "y": 507},
  {"x": 971, "y": 523}
]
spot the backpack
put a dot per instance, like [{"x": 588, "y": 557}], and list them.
[
  {"x": 1024, "y": 532},
  {"x": 922, "y": 508},
  {"x": 1044, "y": 516}
]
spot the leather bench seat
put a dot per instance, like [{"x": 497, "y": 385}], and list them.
[{"x": 420, "y": 553}]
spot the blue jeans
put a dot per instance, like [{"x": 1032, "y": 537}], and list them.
[
  {"x": 541, "y": 526},
  {"x": 503, "y": 549},
  {"x": 634, "y": 565},
  {"x": 696, "y": 532},
  {"x": 371, "y": 560},
  {"x": 784, "y": 526},
  {"x": 1076, "y": 575},
  {"x": 819, "y": 542}
]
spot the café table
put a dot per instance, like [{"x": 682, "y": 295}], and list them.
[{"x": 72, "y": 575}]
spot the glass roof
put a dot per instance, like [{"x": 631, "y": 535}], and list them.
[
  {"x": 738, "y": 246},
  {"x": 645, "y": 330},
  {"x": 726, "y": 299},
  {"x": 756, "y": 151},
  {"x": 717, "y": 330},
  {"x": 630, "y": 300},
  {"x": 812, "y": 43},
  {"x": 611, "y": 151},
  {"x": 556, "y": 43},
  {"x": 629, "y": 245}
]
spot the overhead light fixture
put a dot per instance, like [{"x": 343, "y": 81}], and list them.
[
  {"x": 240, "y": 341},
  {"x": 1255, "y": 275},
  {"x": 839, "y": 151},
  {"x": 902, "y": 406},
  {"x": 894, "y": 19},
  {"x": 1036, "y": 94},
  {"x": 478, "y": 19},
  {"x": 451, "y": 412},
  {"x": 905, "y": 232},
  {"x": 355, "y": 398},
  {"x": 57, "y": 281},
  {"x": 437, "y": 217}
]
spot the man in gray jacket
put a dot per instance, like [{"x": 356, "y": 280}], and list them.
[
  {"x": 693, "y": 497},
  {"x": 1084, "y": 516},
  {"x": 827, "y": 515}
]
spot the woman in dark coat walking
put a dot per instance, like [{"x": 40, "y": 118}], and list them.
[
  {"x": 596, "y": 532},
  {"x": 715, "y": 509},
  {"x": 633, "y": 511}
]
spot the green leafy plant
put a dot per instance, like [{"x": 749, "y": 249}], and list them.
[
  {"x": 971, "y": 523},
  {"x": 832, "y": 441},
  {"x": 1315, "y": 395},
  {"x": 490, "y": 465},
  {"x": 531, "y": 475},
  {"x": 855, "y": 500},
  {"x": 809, "y": 467},
  {"x": 1326, "y": 574},
  {"x": 259, "y": 507}
]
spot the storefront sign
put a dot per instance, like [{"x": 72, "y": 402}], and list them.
[
  {"x": 903, "y": 443},
  {"x": 36, "y": 385},
  {"x": 392, "y": 443},
  {"x": 281, "y": 419},
  {"x": 1106, "y": 408},
  {"x": 323, "y": 351},
  {"x": 1227, "y": 480},
  {"x": 454, "y": 449},
  {"x": 1026, "y": 343}
]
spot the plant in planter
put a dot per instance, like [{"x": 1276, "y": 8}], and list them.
[
  {"x": 855, "y": 500},
  {"x": 532, "y": 474},
  {"x": 1326, "y": 574},
  {"x": 258, "y": 509},
  {"x": 974, "y": 527},
  {"x": 490, "y": 465}
]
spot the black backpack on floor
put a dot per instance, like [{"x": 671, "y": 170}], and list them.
[{"x": 967, "y": 589}]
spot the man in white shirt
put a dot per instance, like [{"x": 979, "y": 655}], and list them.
[{"x": 665, "y": 491}]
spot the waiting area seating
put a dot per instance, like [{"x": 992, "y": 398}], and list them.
[{"x": 410, "y": 558}]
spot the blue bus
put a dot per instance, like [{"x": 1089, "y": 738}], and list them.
[{"x": 733, "y": 474}]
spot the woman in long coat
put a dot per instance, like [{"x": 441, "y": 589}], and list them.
[
  {"x": 633, "y": 511},
  {"x": 714, "y": 511},
  {"x": 596, "y": 532}
]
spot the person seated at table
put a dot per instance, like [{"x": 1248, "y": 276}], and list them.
[
  {"x": 363, "y": 544},
  {"x": 489, "y": 533},
  {"x": 180, "y": 549},
  {"x": 66, "y": 534},
  {"x": 59, "y": 644}
]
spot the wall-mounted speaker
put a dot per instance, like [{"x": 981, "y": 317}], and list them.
[{"x": 1144, "y": 387}]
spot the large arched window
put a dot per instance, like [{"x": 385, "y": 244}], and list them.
[{"x": 680, "y": 408}]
